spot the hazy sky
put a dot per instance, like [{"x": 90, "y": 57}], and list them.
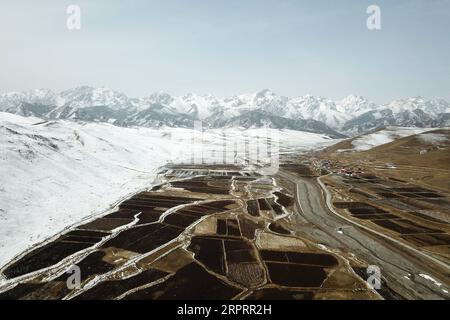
[{"x": 229, "y": 47}]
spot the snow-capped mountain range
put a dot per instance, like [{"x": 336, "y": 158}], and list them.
[{"x": 350, "y": 116}]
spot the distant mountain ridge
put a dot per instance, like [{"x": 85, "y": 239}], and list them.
[{"x": 350, "y": 116}]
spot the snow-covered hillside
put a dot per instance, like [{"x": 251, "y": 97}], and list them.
[
  {"x": 53, "y": 173},
  {"x": 372, "y": 140}
]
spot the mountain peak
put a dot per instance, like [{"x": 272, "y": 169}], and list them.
[
  {"x": 353, "y": 97},
  {"x": 351, "y": 114},
  {"x": 264, "y": 92}
]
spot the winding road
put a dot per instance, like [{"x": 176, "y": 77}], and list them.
[{"x": 399, "y": 265}]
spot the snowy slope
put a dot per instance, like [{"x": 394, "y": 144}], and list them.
[
  {"x": 55, "y": 173},
  {"x": 319, "y": 109},
  {"x": 371, "y": 140}
]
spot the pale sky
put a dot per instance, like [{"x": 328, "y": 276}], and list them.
[{"x": 319, "y": 47}]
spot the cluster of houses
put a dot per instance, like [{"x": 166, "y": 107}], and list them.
[
  {"x": 347, "y": 171},
  {"x": 351, "y": 172}
]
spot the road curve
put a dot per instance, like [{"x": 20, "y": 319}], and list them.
[
  {"x": 396, "y": 264},
  {"x": 400, "y": 243}
]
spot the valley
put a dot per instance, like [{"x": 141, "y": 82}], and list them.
[
  {"x": 249, "y": 236},
  {"x": 316, "y": 226},
  {"x": 223, "y": 155}
]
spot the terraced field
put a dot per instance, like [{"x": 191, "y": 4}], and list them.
[
  {"x": 229, "y": 232},
  {"x": 221, "y": 226}
]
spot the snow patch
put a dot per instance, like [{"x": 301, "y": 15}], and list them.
[
  {"x": 430, "y": 278},
  {"x": 372, "y": 140},
  {"x": 432, "y": 138}
]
